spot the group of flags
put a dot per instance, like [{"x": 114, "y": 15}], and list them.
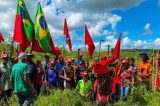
[{"x": 37, "y": 35}]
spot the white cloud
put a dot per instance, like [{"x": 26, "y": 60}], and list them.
[
  {"x": 78, "y": 12},
  {"x": 147, "y": 29}
]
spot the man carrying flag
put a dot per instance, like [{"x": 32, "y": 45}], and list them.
[
  {"x": 42, "y": 33},
  {"x": 23, "y": 29}
]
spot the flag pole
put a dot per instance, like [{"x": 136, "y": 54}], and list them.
[
  {"x": 100, "y": 42},
  {"x": 153, "y": 71}
]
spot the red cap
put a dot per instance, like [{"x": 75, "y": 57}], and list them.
[
  {"x": 84, "y": 73},
  {"x": 4, "y": 55},
  {"x": 125, "y": 61},
  {"x": 51, "y": 63},
  {"x": 69, "y": 60}
]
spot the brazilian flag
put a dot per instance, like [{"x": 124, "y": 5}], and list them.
[{"x": 42, "y": 32}]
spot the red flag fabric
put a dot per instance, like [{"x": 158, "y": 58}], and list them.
[
  {"x": 1, "y": 38},
  {"x": 36, "y": 47},
  {"x": 89, "y": 42},
  {"x": 116, "y": 51},
  {"x": 55, "y": 50},
  {"x": 102, "y": 66},
  {"x": 66, "y": 33}
]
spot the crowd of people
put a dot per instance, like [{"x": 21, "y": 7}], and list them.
[{"x": 28, "y": 79}]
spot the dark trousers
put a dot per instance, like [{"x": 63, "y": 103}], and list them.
[
  {"x": 25, "y": 100},
  {"x": 38, "y": 89}
]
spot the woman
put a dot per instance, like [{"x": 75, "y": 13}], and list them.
[{"x": 126, "y": 74}]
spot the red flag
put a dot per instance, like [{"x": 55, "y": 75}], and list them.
[
  {"x": 89, "y": 42},
  {"x": 116, "y": 51},
  {"x": 66, "y": 33},
  {"x": 1, "y": 38}
]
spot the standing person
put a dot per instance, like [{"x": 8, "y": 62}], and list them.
[
  {"x": 103, "y": 88},
  {"x": 126, "y": 74},
  {"x": 5, "y": 85},
  {"x": 45, "y": 63},
  {"x": 157, "y": 78},
  {"x": 134, "y": 67},
  {"x": 32, "y": 68},
  {"x": 21, "y": 83},
  {"x": 39, "y": 80},
  {"x": 67, "y": 73},
  {"x": 84, "y": 86},
  {"x": 52, "y": 75},
  {"x": 144, "y": 70},
  {"x": 81, "y": 66},
  {"x": 61, "y": 63},
  {"x": 80, "y": 60}
]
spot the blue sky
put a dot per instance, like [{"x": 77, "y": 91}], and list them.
[{"x": 139, "y": 20}]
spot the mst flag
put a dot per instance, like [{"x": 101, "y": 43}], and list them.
[
  {"x": 42, "y": 33},
  {"x": 24, "y": 28},
  {"x": 66, "y": 33},
  {"x": 1, "y": 38},
  {"x": 89, "y": 42},
  {"x": 117, "y": 48}
]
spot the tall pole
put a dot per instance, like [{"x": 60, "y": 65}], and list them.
[
  {"x": 100, "y": 47},
  {"x": 108, "y": 49}
]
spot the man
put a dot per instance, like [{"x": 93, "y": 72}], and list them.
[
  {"x": 67, "y": 74},
  {"x": 80, "y": 60},
  {"x": 144, "y": 70},
  {"x": 45, "y": 63},
  {"x": 5, "y": 85},
  {"x": 32, "y": 68},
  {"x": 84, "y": 86},
  {"x": 81, "y": 66},
  {"x": 59, "y": 67},
  {"x": 21, "y": 83}
]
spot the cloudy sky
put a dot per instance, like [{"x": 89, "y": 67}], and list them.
[{"x": 139, "y": 20}]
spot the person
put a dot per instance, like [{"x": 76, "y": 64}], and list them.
[
  {"x": 61, "y": 63},
  {"x": 5, "y": 85},
  {"x": 157, "y": 77},
  {"x": 103, "y": 87},
  {"x": 21, "y": 83},
  {"x": 134, "y": 67},
  {"x": 126, "y": 74},
  {"x": 39, "y": 80},
  {"x": 52, "y": 75},
  {"x": 32, "y": 68},
  {"x": 67, "y": 73},
  {"x": 45, "y": 63},
  {"x": 84, "y": 86},
  {"x": 80, "y": 60},
  {"x": 144, "y": 70}
]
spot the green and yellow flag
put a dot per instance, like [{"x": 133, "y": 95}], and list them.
[
  {"x": 42, "y": 33},
  {"x": 24, "y": 28}
]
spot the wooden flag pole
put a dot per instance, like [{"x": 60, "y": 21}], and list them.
[{"x": 153, "y": 71}]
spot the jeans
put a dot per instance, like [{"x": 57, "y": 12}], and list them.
[
  {"x": 125, "y": 91},
  {"x": 25, "y": 100}
]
